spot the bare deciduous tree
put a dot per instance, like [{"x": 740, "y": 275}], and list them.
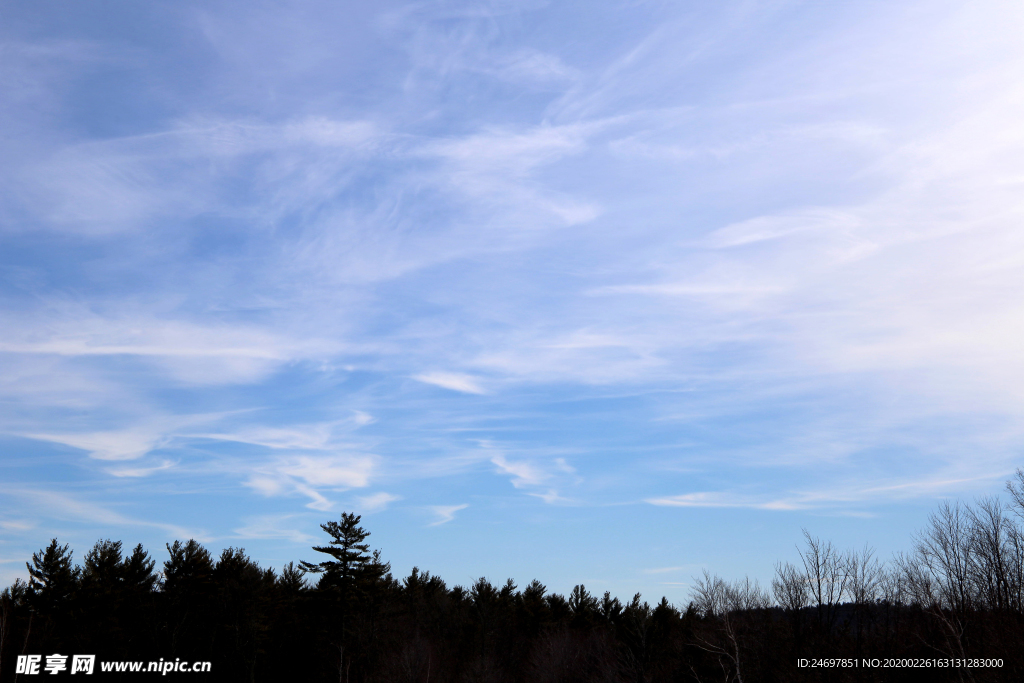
[
  {"x": 827, "y": 579},
  {"x": 720, "y": 603},
  {"x": 790, "y": 587},
  {"x": 938, "y": 573},
  {"x": 991, "y": 555},
  {"x": 1015, "y": 487},
  {"x": 943, "y": 553},
  {"x": 864, "y": 575}
]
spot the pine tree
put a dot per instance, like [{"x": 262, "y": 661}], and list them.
[
  {"x": 189, "y": 569},
  {"x": 291, "y": 580},
  {"x": 189, "y": 588},
  {"x": 137, "y": 571},
  {"x": 349, "y": 576},
  {"x": 52, "y": 577},
  {"x": 101, "y": 570},
  {"x": 348, "y": 549}
]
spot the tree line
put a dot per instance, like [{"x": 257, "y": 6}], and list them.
[{"x": 957, "y": 594}]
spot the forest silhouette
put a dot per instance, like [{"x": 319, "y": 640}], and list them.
[{"x": 957, "y": 596}]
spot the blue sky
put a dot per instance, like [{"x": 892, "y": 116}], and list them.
[{"x": 607, "y": 292}]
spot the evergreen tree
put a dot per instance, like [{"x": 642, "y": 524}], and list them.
[
  {"x": 189, "y": 588},
  {"x": 137, "y": 572},
  {"x": 347, "y": 547},
  {"x": 13, "y": 604},
  {"x": 106, "y": 572},
  {"x": 102, "y": 593},
  {"x": 348, "y": 577},
  {"x": 242, "y": 610},
  {"x": 189, "y": 569},
  {"x": 101, "y": 570},
  {"x": 52, "y": 577},
  {"x": 291, "y": 580}
]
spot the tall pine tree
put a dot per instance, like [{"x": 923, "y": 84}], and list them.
[{"x": 349, "y": 576}]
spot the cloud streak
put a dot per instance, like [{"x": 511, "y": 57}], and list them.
[
  {"x": 466, "y": 384},
  {"x": 445, "y": 513}
]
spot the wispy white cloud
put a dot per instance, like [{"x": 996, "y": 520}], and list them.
[
  {"x": 151, "y": 432},
  {"x": 141, "y": 471},
  {"x": 551, "y": 497},
  {"x": 496, "y": 168},
  {"x": 129, "y": 444},
  {"x": 309, "y": 475},
  {"x": 60, "y": 505},
  {"x": 455, "y": 381},
  {"x": 523, "y": 473},
  {"x": 836, "y": 498},
  {"x": 670, "y": 570},
  {"x": 582, "y": 355},
  {"x": 272, "y": 526},
  {"x": 341, "y": 471},
  {"x": 376, "y": 502},
  {"x": 361, "y": 419},
  {"x": 200, "y": 353},
  {"x": 718, "y": 499},
  {"x": 445, "y": 513},
  {"x": 299, "y": 437},
  {"x": 510, "y": 154},
  {"x": 534, "y": 66},
  {"x": 116, "y": 185},
  {"x": 317, "y": 501}
]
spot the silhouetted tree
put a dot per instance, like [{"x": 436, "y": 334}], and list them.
[
  {"x": 189, "y": 569},
  {"x": 52, "y": 590},
  {"x": 292, "y": 579},
  {"x": 825, "y": 569},
  {"x": 53, "y": 578},
  {"x": 347, "y": 576},
  {"x": 137, "y": 572},
  {"x": 13, "y": 601},
  {"x": 243, "y": 595},
  {"x": 188, "y": 586},
  {"x": 583, "y": 605},
  {"x": 1015, "y": 487},
  {"x": 348, "y": 550}
]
